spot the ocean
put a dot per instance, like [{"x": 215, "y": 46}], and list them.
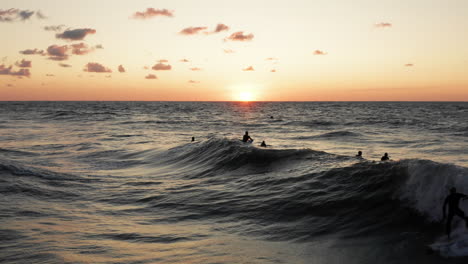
[{"x": 122, "y": 182}]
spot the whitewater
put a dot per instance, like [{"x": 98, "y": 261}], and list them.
[{"x": 123, "y": 182}]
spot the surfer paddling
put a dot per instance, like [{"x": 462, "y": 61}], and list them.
[{"x": 452, "y": 201}]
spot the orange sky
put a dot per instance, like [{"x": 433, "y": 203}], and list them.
[{"x": 184, "y": 50}]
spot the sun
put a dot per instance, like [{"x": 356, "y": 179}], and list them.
[{"x": 246, "y": 96}]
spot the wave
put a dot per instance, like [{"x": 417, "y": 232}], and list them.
[
  {"x": 219, "y": 154},
  {"x": 330, "y": 135}
]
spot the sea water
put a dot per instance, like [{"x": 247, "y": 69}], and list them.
[{"x": 122, "y": 182}]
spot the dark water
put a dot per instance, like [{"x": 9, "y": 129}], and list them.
[{"x": 120, "y": 182}]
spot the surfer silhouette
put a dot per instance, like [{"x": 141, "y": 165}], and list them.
[
  {"x": 452, "y": 201},
  {"x": 359, "y": 154},
  {"x": 246, "y": 137},
  {"x": 385, "y": 157},
  {"x": 193, "y": 139},
  {"x": 263, "y": 144}
]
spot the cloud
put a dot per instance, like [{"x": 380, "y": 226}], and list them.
[
  {"x": 40, "y": 15},
  {"x": 273, "y": 70},
  {"x": 54, "y": 28},
  {"x": 98, "y": 46},
  {"x": 250, "y": 68},
  {"x": 9, "y": 85},
  {"x": 161, "y": 67},
  {"x": 184, "y": 60},
  {"x": 239, "y": 36},
  {"x": 195, "y": 69},
  {"x": 49, "y": 75},
  {"x": 58, "y": 53},
  {"x": 193, "y": 82},
  {"x": 191, "y": 30},
  {"x": 75, "y": 34},
  {"x": 319, "y": 52},
  {"x": 95, "y": 67},
  {"x": 108, "y": 76},
  {"x": 32, "y": 52},
  {"x": 13, "y": 14},
  {"x": 121, "y": 68},
  {"x": 221, "y": 27},
  {"x": 228, "y": 51},
  {"x": 64, "y": 65},
  {"x": 383, "y": 25},
  {"x": 24, "y": 64},
  {"x": 271, "y": 59},
  {"x": 151, "y": 76},
  {"x": 163, "y": 61},
  {"x": 9, "y": 71},
  {"x": 80, "y": 49},
  {"x": 146, "y": 67},
  {"x": 409, "y": 65},
  {"x": 151, "y": 12}
]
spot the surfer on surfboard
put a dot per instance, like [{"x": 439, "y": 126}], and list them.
[
  {"x": 452, "y": 200},
  {"x": 246, "y": 137}
]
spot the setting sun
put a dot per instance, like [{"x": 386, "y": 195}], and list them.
[{"x": 246, "y": 97}]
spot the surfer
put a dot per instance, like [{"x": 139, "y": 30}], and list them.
[
  {"x": 452, "y": 200},
  {"x": 193, "y": 139},
  {"x": 359, "y": 155},
  {"x": 385, "y": 157},
  {"x": 263, "y": 144},
  {"x": 246, "y": 137}
]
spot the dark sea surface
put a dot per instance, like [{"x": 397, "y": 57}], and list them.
[{"x": 121, "y": 182}]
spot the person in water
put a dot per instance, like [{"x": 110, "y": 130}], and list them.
[
  {"x": 263, "y": 144},
  {"x": 452, "y": 201},
  {"x": 359, "y": 154},
  {"x": 385, "y": 157},
  {"x": 246, "y": 137},
  {"x": 193, "y": 139}
]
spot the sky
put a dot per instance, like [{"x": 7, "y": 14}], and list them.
[{"x": 216, "y": 50}]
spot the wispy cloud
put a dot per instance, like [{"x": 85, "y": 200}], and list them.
[
  {"x": 99, "y": 46},
  {"x": 240, "y": 36},
  {"x": 14, "y": 14},
  {"x": 54, "y": 28},
  {"x": 195, "y": 69},
  {"x": 121, "y": 68},
  {"x": 409, "y": 65},
  {"x": 9, "y": 71},
  {"x": 319, "y": 52},
  {"x": 161, "y": 67},
  {"x": 273, "y": 70},
  {"x": 80, "y": 49},
  {"x": 184, "y": 60},
  {"x": 250, "y": 68},
  {"x": 151, "y": 77},
  {"x": 151, "y": 12},
  {"x": 49, "y": 75},
  {"x": 64, "y": 65},
  {"x": 192, "y": 30},
  {"x": 95, "y": 67},
  {"x": 32, "y": 52},
  {"x": 75, "y": 34},
  {"x": 228, "y": 51},
  {"x": 383, "y": 25},
  {"x": 193, "y": 82},
  {"x": 24, "y": 64}
]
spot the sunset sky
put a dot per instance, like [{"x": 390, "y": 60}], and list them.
[{"x": 216, "y": 50}]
